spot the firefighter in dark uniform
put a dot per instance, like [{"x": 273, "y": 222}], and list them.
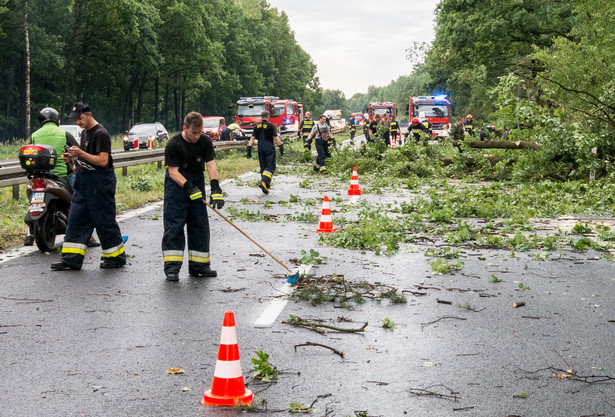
[
  {"x": 394, "y": 129},
  {"x": 93, "y": 201},
  {"x": 417, "y": 129},
  {"x": 468, "y": 125},
  {"x": 187, "y": 154},
  {"x": 305, "y": 128},
  {"x": 352, "y": 126},
  {"x": 267, "y": 135}
]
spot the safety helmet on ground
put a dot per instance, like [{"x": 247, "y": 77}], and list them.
[
  {"x": 469, "y": 116},
  {"x": 415, "y": 121},
  {"x": 308, "y": 114},
  {"x": 49, "y": 114}
]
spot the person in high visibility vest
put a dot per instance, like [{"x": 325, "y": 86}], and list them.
[
  {"x": 305, "y": 128},
  {"x": 468, "y": 125},
  {"x": 394, "y": 129}
]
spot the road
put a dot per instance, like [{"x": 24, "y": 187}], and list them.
[{"x": 99, "y": 342}]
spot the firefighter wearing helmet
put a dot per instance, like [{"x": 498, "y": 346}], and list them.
[
  {"x": 468, "y": 125},
  {"x": 305, "y": 128},
  {"x": 417, "y": 129}
]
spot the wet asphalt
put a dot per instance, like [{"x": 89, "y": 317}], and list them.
[{"x": 99, "y": 342}]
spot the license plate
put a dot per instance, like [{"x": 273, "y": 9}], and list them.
[{"x": 38, "y": 198}]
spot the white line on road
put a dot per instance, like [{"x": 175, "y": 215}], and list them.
[{"x": 273, "y": 310}]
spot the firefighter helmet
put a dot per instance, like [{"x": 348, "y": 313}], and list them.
[
  {"x": 469, "y": 116},
  {"x": 415, "y": 121},
  {"x": 366, "y": 116},
  {"x": 308, "y": 114},
  {"x": 49, "y": 114}
]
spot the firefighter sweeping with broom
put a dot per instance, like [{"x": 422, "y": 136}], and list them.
[{"x": 187, "y": 154}]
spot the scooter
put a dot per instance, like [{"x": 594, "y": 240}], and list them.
[{"x": 49, "y": 195}]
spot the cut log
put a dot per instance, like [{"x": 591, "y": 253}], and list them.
[{"x": 502, "y": 144}]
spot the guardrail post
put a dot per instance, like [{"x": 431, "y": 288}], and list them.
[
  {"x": 15, "y": 191},
  {"x": 159, "y": 164},
  {"x": 124, "y": 171}
]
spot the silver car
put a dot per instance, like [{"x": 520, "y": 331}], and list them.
[{"x": 73, "y": 130}]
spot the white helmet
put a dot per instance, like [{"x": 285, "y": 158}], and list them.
[
  {"x": 366, "y": 116},
  {"x": 421, "y": 115}
]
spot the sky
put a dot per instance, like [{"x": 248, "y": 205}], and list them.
[{"x": 358, "y": 43}]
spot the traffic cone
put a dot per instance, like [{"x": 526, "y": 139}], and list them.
[
  {"x": 326, "y": 222},
  {"x": 228, "y": 387},
  {"x": 393, "y": 141},
  {"x": 354, "y": 183}
]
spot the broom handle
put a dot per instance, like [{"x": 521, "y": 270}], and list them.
[{"x": 245, "y": 234}]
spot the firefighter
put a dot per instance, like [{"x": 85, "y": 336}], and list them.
[
  {"x": 305, "y": 128},
  {"x": 366, "y": 127},
  {"x": 485, "y": 132},
  {"x": 352, "y": 126},
  {"x": 416, "y": 129},
  {"x": 93, "y": 200},
  {"x": 187, "y": 154},
  {"x": 267, "y": 135},
  {"x": 394, "y": 129},
  {"x": 468, "y": 125},
  {"x": 427, "y": 125},
  {"x": 386, "y": 121},
  {"x": 322, "y": 132}
]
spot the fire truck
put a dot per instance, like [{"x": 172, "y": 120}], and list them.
[
  {"x": 248, "y": 111},
  {"x": 287, "y": 115},
  {"x": 437, "y": 111},
  {"x": 358, "y": 117},
  {"x": 381, "y": 108}
]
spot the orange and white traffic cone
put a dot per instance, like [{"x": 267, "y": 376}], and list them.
[
  {"x": 393, "y": 141},
  {"x": 326, "y": 222},
  {"x": 228, "y": 387},
  {"x": 354, "y": 183}
]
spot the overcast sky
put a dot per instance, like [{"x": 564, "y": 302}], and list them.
[{"x": 358, "y": 43}]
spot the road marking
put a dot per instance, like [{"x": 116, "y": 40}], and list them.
[
  {"x": 354, "y": 199},
  {"x": 273, "y": 310}
]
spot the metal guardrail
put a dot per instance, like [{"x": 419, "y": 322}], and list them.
[{"x": 13, "y": 175}]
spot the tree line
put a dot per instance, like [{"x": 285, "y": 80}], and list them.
[
  {"x": 145, "y": 60},
  {"x": 548, "y": 64}
]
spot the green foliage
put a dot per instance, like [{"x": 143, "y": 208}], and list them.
[
  {"x": 388, "y": 324},
  {"x": 492, "y": 278},
  {"x": 131, "y": 62},
  {"x": 581, "y": 228},
  {"x": 312, "y": 257},
  {"x": 441, "y": 267},
  {"x": 140, "y": 184},
  {"x": 263, "y": 370},
  {"x": 523, "y": 287}
]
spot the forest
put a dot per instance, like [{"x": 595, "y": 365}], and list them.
[
  {"x": 547, "y": 63},
  {"x": 144, "y": 60}
]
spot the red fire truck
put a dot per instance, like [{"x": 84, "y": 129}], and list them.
[
  {"x": 287, "y": 115},
  {"x": 248, "y": 111},
  {"x": 381, "y": 108},
  {"x": 437, "y": 110}
]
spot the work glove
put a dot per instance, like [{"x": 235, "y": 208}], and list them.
[
  {"x": 193, "y": 191},
  {"x": 331, "y": 141},
  {"x": 248, "y": 152},
  {"x": 281, "y": 149},
  {"x": 216, "y": 199}
]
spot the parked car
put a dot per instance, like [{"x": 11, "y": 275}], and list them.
[
  {"x": 73, "y": 130},
  {"x": 143, "y": 132},
  {"x": 213, "y": 125}
]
